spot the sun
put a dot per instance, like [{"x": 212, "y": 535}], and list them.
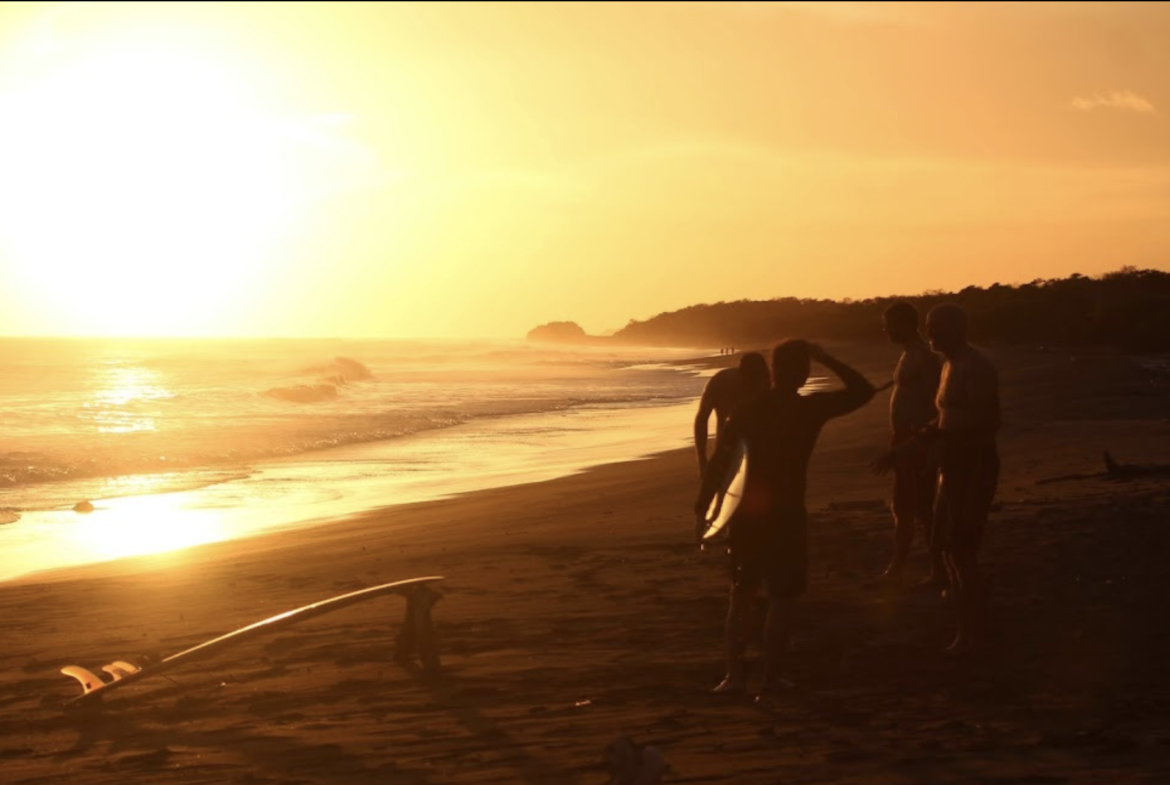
[{"x": 144, "y": 190}]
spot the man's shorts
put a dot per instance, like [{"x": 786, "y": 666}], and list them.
[
  {"x": 968, "y": 478},
  {"x": 772, "y": 550},
  {"x": 915, "y": 479}
]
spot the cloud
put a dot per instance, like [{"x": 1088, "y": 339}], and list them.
[{"x": 1123, "y": 100}]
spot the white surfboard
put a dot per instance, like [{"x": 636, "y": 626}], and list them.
[
  {"x": 123, "y": 673},
  {"x": 729, "y": 495}
]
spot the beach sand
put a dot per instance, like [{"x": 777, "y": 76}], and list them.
[{"x": 577, "y": 610}]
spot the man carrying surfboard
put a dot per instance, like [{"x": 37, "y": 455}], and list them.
[
  {"x": 724, "y": 391},
  {"x": 768, "y": 535}
]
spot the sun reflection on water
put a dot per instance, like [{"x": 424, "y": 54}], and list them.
[
  {"x": 145, "y": 525},
  {"x": 122, "y": 398}
]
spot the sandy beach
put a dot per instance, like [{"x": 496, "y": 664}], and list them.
[{"x": 579, "y": 609}]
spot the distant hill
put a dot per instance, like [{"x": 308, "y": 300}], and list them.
[
  {"x": 1128, "y": 309},
  {"x": 558, "y": 332}
]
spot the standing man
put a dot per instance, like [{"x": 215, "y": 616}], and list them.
[
  {"x": 768, "y": 536},
  {"x": 966, "y": 433},
  {"x": 912, "y": 407},
  {"x": 724, "y": 391}
]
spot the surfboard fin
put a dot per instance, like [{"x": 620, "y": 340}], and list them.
[
  {"x": 89, "y": 681},
  {"x": 120, "y": 668}
]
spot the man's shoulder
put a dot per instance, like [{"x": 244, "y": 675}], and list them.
[
  {"x": 722, "y": 382},
  {"x": 920, "y": 356},
  {"x": 724, "y": 376}
]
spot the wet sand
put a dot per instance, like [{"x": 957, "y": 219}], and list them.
[{"x": 579, "y": 609}]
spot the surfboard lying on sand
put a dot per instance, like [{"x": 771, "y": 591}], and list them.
[
  {"x": 729, "y": 494},
  {"x": 123, "y": 673}
]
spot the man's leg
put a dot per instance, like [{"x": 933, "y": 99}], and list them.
[
  {"x": 738, "y": 605},
  {"x": 786, "y": 579},
  {"x": 904, "y": 515},
  {"x": 967, "y": 541},
  {"x": 777, "y": 630},
  {"x": 925, "y": 513},
  {"x": 902, "y": 509},
  {"x": 969, "y": 603},
  {"x": 939, "y": 521}
]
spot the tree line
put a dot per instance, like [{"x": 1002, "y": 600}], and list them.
[{"x": 1128, "y": 309}]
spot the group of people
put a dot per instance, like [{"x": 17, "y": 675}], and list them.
[{"x": 944, "y": 421}]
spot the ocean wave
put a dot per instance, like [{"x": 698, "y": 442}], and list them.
[
  {"x": 342, "y": 370},
  {"x": 241, "y": 404},
  {"x": 333, "y": 375},
  {"x": 304, "y": 393},
  {"x": 281, "y": 439}
]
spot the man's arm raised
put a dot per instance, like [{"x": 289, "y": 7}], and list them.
[{"x": 858, "y": 390}]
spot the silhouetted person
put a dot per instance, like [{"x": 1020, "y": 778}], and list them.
[
  {"x": 912, "y": 407},
  {"x": 966, "y": 433},
  {"x": 767, "y": 535},
  {"x": 724, "y": 391}
]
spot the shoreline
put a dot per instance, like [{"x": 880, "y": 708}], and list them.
[
  {"x": 287, "y": 494},
  {"x": 360, "y": 477},
  {"x": 221, "y": 503}
]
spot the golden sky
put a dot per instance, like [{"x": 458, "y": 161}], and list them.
[{"x": 449, "y": 170}]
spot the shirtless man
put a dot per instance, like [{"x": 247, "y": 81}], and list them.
[
  {"x": 724, "y": 391},
  {"x": 768, "y": 534},
  {"x": 916, "y": 379},
  {"x": 966, "y": 433}
]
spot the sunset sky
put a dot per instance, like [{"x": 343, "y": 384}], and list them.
[{"x": 458, "y": 170}]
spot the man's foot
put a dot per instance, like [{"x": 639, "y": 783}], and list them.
[
  {"x": 961, "y": 646},
  {"x": 773, "y": 690},
  {"x": 731, "y": 685},
  {"x": 932, "y": 581}
]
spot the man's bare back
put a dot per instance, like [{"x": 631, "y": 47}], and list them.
[{"x": 726, "y": 390}]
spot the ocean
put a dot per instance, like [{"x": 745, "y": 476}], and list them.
[{"x": 180, "y": 442}]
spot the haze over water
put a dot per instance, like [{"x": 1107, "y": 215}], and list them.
[{"x": 273, "y": 432}]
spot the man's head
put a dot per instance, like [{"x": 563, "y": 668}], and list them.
[
  {"x": 753, "y": 372},
  {"x": 790, "y": 365},
  {"x": 946, "y": 327},
  {"x": 900, "y": 322}
]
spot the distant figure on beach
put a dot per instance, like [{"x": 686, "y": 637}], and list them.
[
  {"x": 912, "y": 407},
  {"x": 966, "y": 433},
  {"x": 767, "y": 535},
  {"x": 724, "y": 391}
]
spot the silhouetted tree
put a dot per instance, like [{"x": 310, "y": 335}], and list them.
[{"x": 1126, "y": 309}]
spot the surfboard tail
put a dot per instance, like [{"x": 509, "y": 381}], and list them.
[
  {"x": 120, "y": 669},
  {"x": 88, "y": 679}
]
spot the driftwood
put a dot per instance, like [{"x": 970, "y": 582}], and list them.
[{"x": 1118, "y": 472}]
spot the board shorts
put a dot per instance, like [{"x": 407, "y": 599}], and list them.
[
  {"x": 772, "y": 550},
  {"x": 915, "y": 480},
  {"x": 968, "y": 479}
]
